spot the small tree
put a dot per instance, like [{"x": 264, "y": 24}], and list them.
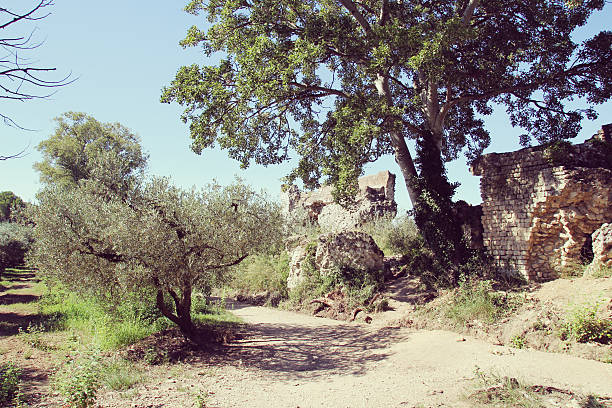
[{"x": 158, "y": 237}]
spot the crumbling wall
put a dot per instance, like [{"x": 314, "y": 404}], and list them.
[
  {"x": 376, "y": 198},
  {"x": 541, "y": 204}
]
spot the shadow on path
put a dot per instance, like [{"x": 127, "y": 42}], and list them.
[{"x": 293, "y": 351}]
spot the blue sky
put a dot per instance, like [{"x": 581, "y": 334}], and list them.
[{"x": 122, "y": 53}]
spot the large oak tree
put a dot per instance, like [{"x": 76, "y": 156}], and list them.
[{"x": 343, "y": 82}]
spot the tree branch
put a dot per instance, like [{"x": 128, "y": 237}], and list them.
[{"x": 351, "y": 8}]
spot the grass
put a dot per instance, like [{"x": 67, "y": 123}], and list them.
[
  {"x": 120, "y": 375},
  {"x": 501, "y": 391},
  {"x": 494, "y": 390},
  {"x": 476, "y": 300}
]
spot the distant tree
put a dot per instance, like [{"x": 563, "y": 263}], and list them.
[
  {"x": 83, "y": 148},
  {"x": 15, "y": 241},
  {"x": 345, "y": 82},
  {"x": 21, "y": 79},
  {"x": 158, "y": 237},
  {"x": 9, "y": 203}
]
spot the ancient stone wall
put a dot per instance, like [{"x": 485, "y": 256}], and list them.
[
  {"x": 541, "y": 204},
  {"x": 376, "y": 198}
]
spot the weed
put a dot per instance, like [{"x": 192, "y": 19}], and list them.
[
  {"x": 518, "y": 341},
  {"x": 78, "y": 381},
  {"x": 504, "y": 391},
  {"x": 201, "y": 399},
  {"x": 9, "y": 384},
  {"x": 584, "y": 325},
  {"x": 120, "y": 375},
  {"x": 477, "y": 300},
  {"x": 598, "y": 271},
  {"x": 32, "y": 335}
]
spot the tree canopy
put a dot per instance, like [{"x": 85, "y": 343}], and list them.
[
  {"x": 9, "y": 202},
  {"x": 344, "y": 82},
  {"x": 83, "y": 148}
]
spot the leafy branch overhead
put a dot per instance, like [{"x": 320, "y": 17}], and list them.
[{"x": 345, "y": 82}]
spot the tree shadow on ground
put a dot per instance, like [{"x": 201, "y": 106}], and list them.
[
  {"x": 294, "y": 351},
  {"x": 10, "y": 322}
]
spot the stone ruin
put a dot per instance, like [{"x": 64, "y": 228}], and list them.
[
  {"x": 376, "y": 198},
  {"x": 544, "y": 207},
  {"x": 341, "y": 248}
]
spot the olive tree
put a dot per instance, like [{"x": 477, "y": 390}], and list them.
[
  {"x": 159, "y": 237},
  {"x": 343, "y": 82}
]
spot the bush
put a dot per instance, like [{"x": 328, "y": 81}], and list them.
[
  {"x": 584, "y": 325},
  {"x": 9, "y": 383},
  {"x": 15, "y": 241}
]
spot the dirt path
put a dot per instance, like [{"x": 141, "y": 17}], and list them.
[{"x": 293, "y": 360}]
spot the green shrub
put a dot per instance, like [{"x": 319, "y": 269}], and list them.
[
  {"x": 79, "y": 380},
  {"x": 120, "y": 375},
  {"x": 9, "y": 383},
  {"x": 584, "y": 325},
  {"x": 260, "y": 273}
]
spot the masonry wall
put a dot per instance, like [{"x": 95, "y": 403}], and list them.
[{"x": 541, "y": 205}]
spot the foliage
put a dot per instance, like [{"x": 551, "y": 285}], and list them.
[
  {"x": 159, "y": 239},
  {"x": 120, "y": 375},
  {"x": 9, "y": 383},
  {"x": 262, "y": 272},
  {"x": 78, "y": 380},
  {"x": 83, "y": 148},
  {"x": 345, "y": 83},
  {"x": 15, "y": 241},
  {"x": 394, "y": 236},
  {"x": 585, "y": 325},
  {"x": 9, "y": 203}
]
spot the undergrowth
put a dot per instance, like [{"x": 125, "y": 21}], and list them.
[
  {"x": 583, "y": 324},
  {"x": 10, "y": 384}
]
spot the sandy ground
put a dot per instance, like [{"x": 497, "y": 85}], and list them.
[{"x": 295, "y": 360}]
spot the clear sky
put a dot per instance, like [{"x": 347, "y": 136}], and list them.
[{"x": 123, "y": 52}]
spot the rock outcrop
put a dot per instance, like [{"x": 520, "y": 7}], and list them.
[
  {"x": 346, "y": 252},
  {"x": 602, "y": 245},
  {"x": 376, "y": 198},
  {"x": 541, "y": 204}
]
